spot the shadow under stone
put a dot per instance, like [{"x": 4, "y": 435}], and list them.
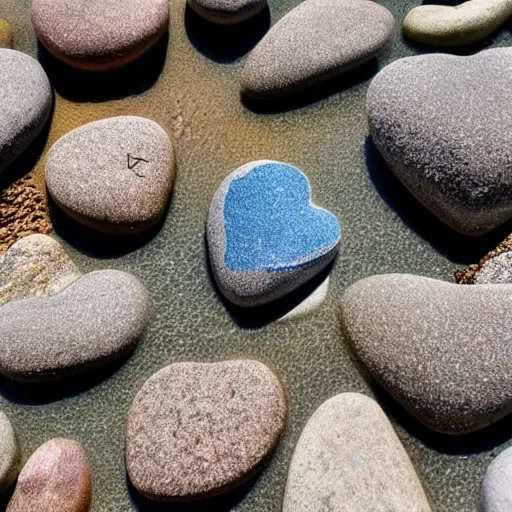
[
  {"x": 260, "y": 316},
  {"x": 95, "y": 86},
  {"x": 314, "y": 93},
  {"x": 456, "y": 247},
  {"x": 225, "y": 43}
]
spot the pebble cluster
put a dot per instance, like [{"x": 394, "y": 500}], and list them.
[{"x": 196, "y": 430}]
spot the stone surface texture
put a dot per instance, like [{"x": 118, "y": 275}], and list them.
[
  {"x": 442, "y": 350},
  {"x": 56, "y": 478},
  {"x": 197, "y": 430},
  {"x": 496, "y": 488},
  {"x": 9, "y": 453},
  {"x": 349, "y": 459},
  {"x": 113, "y": 175},
  {"x": 448, "y": 142},
  {"x": 317, "y": 40},
  {"x": 98, "y": 318}
]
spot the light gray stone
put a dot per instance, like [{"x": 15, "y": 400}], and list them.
[
  {"x": 349, "y": 459},
  {"x": 496, "y": 487},
  {"x": 9, "y": 453}
]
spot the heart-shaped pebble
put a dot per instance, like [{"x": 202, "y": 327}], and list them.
[
  {"x": 349, "y": 459},
  {"x": 96, "y": 319},
  {"x": 448, "y": 142},
  {"x": 317, "y": 40},
  {"x": 101, "y": 34},
  {"x": 25, "y": 103},
  {"x": 265, "y": 237},
  {"x": 197, "y": 430},
  {"x": 114, "y": 175},
  {"x": 442, "y": 350},
  {"x": 56, "y": 477}
]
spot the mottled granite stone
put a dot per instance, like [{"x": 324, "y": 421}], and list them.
[
  {"x": 57, "y": 477},
  {"x": 317, "y": 40},
  {"x": 349, "y": 459},
  {"x": 496, "y": 489},
  {"x": 447, "y": 25},
  {"x": 96, "y": 319},
  {"x": 197, "y": 430},
  {"x": 114, "y": 175},
  {"x": 35, "y": 265},
  {"x": 9, "y": 453},
  {"x": 99, "y": 35},
  {"x": 227, "y": 12},
  {"x": 442, "y": 350},
  {"x": 265, "y": 236},
  {"x": 449, "y": 141},
  {"x": 25, "y": 103}
]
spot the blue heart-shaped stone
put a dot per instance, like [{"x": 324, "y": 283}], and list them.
[{"x": 271, "y": 224}]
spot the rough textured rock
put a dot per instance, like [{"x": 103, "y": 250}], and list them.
[
  {"x": 265, "y": 237},
  {"x": 227, "y": 12},
  {"x": 22, "y": 212},
  {"x": 6, "y": 39},
  {"x": 9, "y": 453},
  {"x": 446, "y": 25},
  {"x": 317, "y": 40},
  {"x": 441, "y": 349},
  {"x": 441, "y": 123},
  {"x": 106, "y": 34},
  {"x": 25, "y": 103},
  {"x": 349, "y": 459},
  {"x": 494, "y": 268},
  {"x": 196, "y": 430},
  {"x": 35, "y": 265},
  {"x": 114, "y": 175},
  {"x": 496, "y": 489},
  {"x": 98, "y": 318},
  {"x": 56, "y": 477}
]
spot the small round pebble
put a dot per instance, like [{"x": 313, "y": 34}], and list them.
[
  {"x": 196, "y": 430},
  {"x": 466, "y": 23},
  {"x": 101, "y": 317},
  {"x": 9, "y": 453},
  {"x": 99, "y": 35},
  {"x": 227, "y": 12},
  {"x": 349, "y": 459},
  {"x": 317, "y": 40},
  {"x": 265, "y": 236},
  {"x": 441, "y": 349},
  {"x": 25, "y": 103},
  {"x": 496, "y": 493},
  {"x": 442, "y": 124},
  {"x": 6, "y": 39},
  {"x": 114, "y": 175},
  {"x": 55, "y": 478},
  {"x": 35, "y": 265}
]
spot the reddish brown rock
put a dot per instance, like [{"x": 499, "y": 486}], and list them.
[{"x": 56, "y": 478}]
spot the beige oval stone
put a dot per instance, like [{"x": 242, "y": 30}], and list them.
[
  {"x": 349, "y": 459},
  {"x": 55, "y": 478}
]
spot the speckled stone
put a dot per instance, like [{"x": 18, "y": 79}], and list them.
[
  {"x": 441, "y": 349},
  {"x": 55, "y": 478},
  {"x": 98, "y": 318},
  {"x": 349, "y": 459},
  {"x": 25, "y": 103},
  {"x": 6, "y": 39},
  {"x": 265, "y": 236},
  {"x": 317, "y": 40},
  {"x": 453, "y": 155},
  {"x": 99, "y": 35},
  {"x": 35, "y": 265},
  {"x": 496, "y": 488},
  {"x": 9, "y": 453},
  {"x": 114, "y": 175},
  {"x": 227, "y": 12},
  {"x": 446, "y": 25},
  {"x": 197, "y": 430}
]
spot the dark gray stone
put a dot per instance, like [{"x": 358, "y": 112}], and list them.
[
  {"x": 96, "y": 319},
  {"x": 227, "y": 12},
  {"x": 442, "y": 123},
  {"x": 442, "y": 350}
]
